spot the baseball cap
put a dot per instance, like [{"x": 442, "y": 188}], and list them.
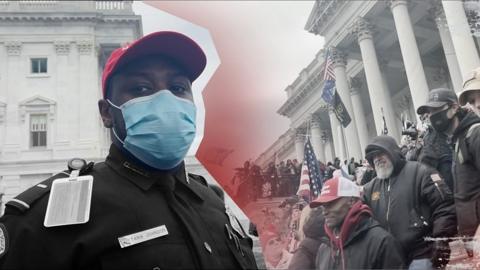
[
  {"x": 472, "y": 83},
  {"x": 437, "y": 98},
  {"x": 180, "y": 48},
  {"x": 335, "y": 188}
]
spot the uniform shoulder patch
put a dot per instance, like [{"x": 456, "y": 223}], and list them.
[
  {"x": 24, "y": 200},
  {"x": 3, "y": 240}
]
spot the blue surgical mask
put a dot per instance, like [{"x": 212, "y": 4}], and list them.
[{"x": 160, "y": 128}]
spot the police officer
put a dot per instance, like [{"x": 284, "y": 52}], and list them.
[{"x": 139, "y": 209}]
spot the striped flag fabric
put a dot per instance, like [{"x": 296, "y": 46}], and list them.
[
  {"x": 310, "y": 178},
  {"x": 330, "y": 95},
  {"x": 329, "y": 75},
  {"x": 304, "y": 188}
]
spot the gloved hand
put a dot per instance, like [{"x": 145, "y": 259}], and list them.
[{"x": 441, "y": 254}]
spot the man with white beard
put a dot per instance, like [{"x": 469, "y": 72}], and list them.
[{"x": 411, "y": 201}]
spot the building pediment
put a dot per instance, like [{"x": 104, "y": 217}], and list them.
[
  {"x": 37, "y": 101},
  {"x": 37, "y": 104}
]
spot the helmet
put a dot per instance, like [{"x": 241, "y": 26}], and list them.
[{"x": 472, "y": 83}]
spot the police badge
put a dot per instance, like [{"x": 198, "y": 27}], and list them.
[{"x": 3, "y": 240}]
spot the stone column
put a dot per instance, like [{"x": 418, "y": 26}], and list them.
[
  {"x": 410, "y": 53},
  {"x": 392, "y": 124},
  {"x": 438, "y": 15},
  {"x": 334, "y": 124},
  {"x": 329, "y": 151},
  {"x": 467, "y": 54},
  {"x": 350, "y": 132},
  {"x": 363, "y": 30},
  {"x": 359, "y": 113},
  {"x": 342, "y": 153},
  {"x": 87, "y": 57},
  {"x": 299, "y": 144},
  {"x": 316, "y": 139},
  {"x": 70, "y": 100},
  {"x": 14, "y": 132}
]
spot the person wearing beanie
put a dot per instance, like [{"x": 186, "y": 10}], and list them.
[
  {"x": 355, "y": 239},
  {"x": 411, "y": 201}
]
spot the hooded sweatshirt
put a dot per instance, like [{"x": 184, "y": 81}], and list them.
[
  {"x": 360, "y": 244},
  {"x": 466, "y": 172},
  {"x": 413, "y": 203}
]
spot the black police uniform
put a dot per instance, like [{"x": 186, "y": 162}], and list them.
[{"x": 126, "y": 200}]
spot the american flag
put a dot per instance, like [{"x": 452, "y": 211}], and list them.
[
  {"x": 330, "y": 95},
  {"x": 329, "y": 75},
  {"x": 310, "y": 179}
]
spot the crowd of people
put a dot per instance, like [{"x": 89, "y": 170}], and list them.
[
  {"x": 251, "y": 182},
  {"x": 404, "y": 206}
]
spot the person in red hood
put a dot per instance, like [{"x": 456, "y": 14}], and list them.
[{"x": 356, "y": 240}]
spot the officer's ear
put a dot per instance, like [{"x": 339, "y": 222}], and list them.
[{"x": 104, "y": 109}]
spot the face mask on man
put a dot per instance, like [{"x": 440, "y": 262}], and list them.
[
  {"x": 160, "y": 128},
  {"x": 440, "y": 121}
]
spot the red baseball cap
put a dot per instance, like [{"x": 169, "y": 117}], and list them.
[
  {"x": 180, "y": 48},
  {"x": 335, "y": 188}
]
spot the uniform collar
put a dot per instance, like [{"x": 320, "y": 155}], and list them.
[{"x": 145, "y": 179}]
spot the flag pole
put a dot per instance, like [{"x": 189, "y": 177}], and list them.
[{"x": 345, "y": 145}]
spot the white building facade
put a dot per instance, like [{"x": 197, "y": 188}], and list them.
[
  {"x": 52, "y": 55},
  {"x": 386, "y": 55}
]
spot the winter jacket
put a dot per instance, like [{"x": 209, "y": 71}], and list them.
[
  {"x": 367, "y": 246},
  {"x": 437, "y": 153},
  {"x": 435, "y": 145},
  {"x": 466, "y": 172},
  {"x": 412, "y": 204}
]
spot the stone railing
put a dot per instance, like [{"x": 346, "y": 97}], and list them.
[
  {"x": 105, "y": 7},
  {"x": 113, "y": 5}
]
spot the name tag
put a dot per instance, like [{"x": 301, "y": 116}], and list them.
[
  {"x": 69, "y": 201},
  {"x": 139, "y": 237}
]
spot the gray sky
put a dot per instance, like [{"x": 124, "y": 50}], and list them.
[{"x": 290, "y": 49}]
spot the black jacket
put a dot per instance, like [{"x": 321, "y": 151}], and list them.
[
  {"x": 369, "y": 246},
  {"x": 435, "y": 145},
  {"x": 125, "y": 200},
  {"x": 466, "y": 172},
  {"x": 412, "y": 204}
]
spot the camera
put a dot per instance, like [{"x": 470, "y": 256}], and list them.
[{"x": 410, "y": 130}]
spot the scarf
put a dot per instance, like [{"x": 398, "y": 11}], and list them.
[{"x": 358, "y": 212}]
